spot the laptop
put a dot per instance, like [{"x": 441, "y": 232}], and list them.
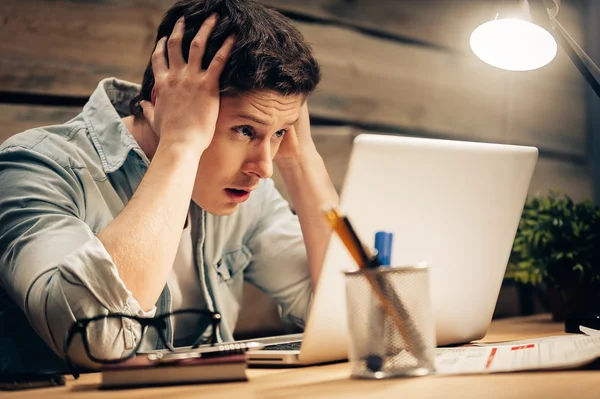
[{"x": 452, "y": 204}]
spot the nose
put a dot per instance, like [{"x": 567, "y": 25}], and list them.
[{"x": 259, "y": 161}]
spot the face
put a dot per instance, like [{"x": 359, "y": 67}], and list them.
[{"x": 250, "y": 128}]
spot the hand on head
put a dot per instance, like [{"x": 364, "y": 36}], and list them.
[
  {"x": 297, "y": 142},
  {"x": 186, "y": 97}
]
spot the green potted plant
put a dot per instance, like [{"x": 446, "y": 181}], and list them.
[{"x": 557, "y": 246}]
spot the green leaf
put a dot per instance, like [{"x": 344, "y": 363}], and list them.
[{"x": 555, "y": 242}]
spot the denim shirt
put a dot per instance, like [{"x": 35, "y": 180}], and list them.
[{"x": 61, "y": 185}]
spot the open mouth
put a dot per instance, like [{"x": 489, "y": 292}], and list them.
[
  {"x": 237, "y": 195},
  {"x": 236, "y": 191}
]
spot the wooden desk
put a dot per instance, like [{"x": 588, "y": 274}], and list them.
[{"x": 331, "y": 381}]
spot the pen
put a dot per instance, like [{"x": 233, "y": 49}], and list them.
[
  {"x": 205, "y": 352},
  {"x": 379, "y": 323},
  {"x": 383, "y": 245}
]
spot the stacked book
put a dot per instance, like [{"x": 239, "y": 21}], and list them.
[{"x": 187, "y": 367}]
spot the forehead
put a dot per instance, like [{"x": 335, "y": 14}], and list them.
[{"x": 267, "y": 103}]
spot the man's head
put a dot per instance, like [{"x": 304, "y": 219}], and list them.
[{"x": 269, "y": 73}]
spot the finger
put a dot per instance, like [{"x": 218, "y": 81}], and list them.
[
  {"x": 304, "y": 111},
  {"x": 148, "y": 109},
  {"x": 198, "y": 45},
  {"x": 159, "y": 62},
  {"x": 303, "y": 117},
  {"x": 218, "y": 62},
  {"x": 174, "y": 45}
]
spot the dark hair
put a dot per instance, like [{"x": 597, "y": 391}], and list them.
[{"x": 270, "y": 53}]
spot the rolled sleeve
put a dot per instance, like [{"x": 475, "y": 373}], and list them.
[
  {"x": 53, "y": 266},
  {"x": 279, "y": 263}
]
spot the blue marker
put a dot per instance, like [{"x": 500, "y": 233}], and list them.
[
  {"x": 383, "y": 245},
  {"x": 380, "y": 323}
]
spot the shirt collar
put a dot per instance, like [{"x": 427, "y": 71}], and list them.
[{"x": 102, "y": 114}]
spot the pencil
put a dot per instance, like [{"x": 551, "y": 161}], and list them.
[{"x": 342, "y": 226}]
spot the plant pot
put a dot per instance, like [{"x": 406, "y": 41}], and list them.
[{"x": 573, "y": 299}]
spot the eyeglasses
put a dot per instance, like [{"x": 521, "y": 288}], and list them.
[{"x": 90, "y": 330}]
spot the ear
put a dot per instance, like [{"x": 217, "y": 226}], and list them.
[{"x": 153, "y": 95}]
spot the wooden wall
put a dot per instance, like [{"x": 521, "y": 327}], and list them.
[{"x": 389, "y": 66}]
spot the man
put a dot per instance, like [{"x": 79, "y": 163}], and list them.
[{"x": 95, "y": 214}]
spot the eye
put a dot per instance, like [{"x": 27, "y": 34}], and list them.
[
  {"x": 244, "y": 131},
  {"x": 280, "y": 133}
]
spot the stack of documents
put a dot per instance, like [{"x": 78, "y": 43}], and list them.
[{"x": 558, "y": 352}]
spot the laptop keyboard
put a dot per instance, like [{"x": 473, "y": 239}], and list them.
[{"x": 288, "y": 346}]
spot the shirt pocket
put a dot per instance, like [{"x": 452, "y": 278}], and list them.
[{"x": 233, "y": 262}]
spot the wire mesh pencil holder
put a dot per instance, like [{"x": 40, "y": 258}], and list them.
[{"x": 392, "y": 332}]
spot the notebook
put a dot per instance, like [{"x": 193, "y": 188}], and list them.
[{"x": 145, "y": 370}]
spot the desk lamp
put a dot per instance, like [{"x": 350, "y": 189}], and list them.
[{"x": 525, "y": 38}]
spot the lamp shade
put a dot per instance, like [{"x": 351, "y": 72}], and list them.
[{"x": 513, "y": 44}]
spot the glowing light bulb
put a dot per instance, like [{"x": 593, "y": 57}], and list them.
[{"x": 513, "y": 44}]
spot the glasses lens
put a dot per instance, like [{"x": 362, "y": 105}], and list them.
[
  {"x": 121, "y": 341},
  {"x": 189, "y": 326}
]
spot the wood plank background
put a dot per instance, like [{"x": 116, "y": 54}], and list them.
[
  {"x": 389, "y": 67},
  {"x": 336, "y": 144},
  {"x": 421, "y": 79}
]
